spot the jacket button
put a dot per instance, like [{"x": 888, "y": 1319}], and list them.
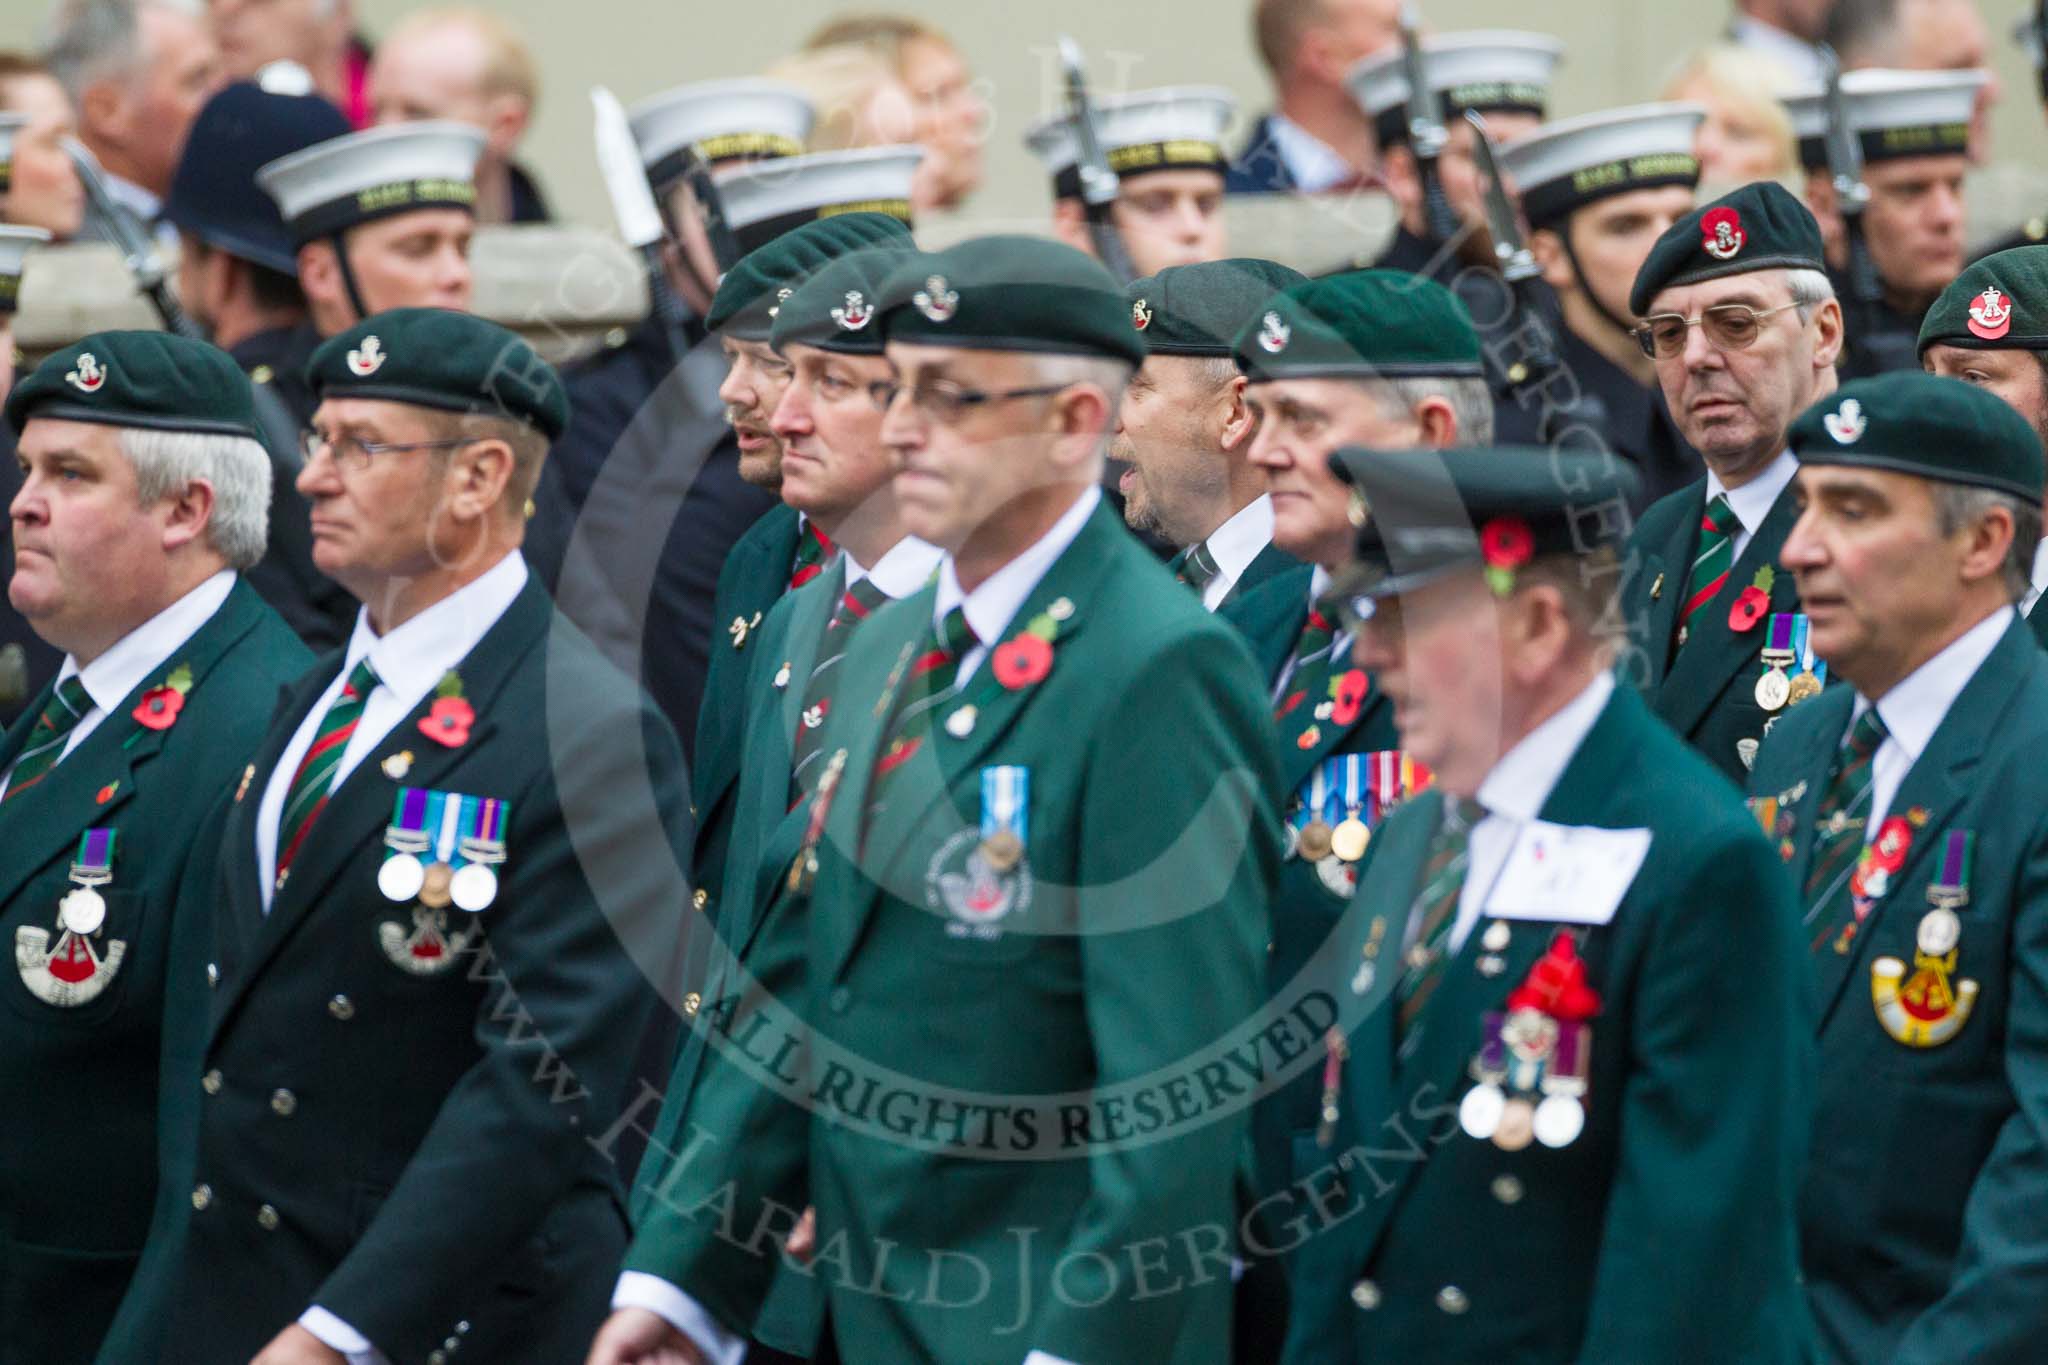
[
  {"x": 1507, "y": 1189},
  {"x": 1452, "y": 1299},
  {"x": 437, "y": 1358},
  {"x": 700, "y": 898},
  {"x": 691, "y": 1004},
  {"x": 266, "y": 1218},
  {"x": 213, "y": 973},
  {"x": 341, "y": 1007},
  {"x": 202, "y": 1197},
  {"x": 841, "y": 999},
  {"x": 211, "y": 1082},
  {"x": 283, "y": 1103},
  {"x": 1366, "y": 1295},
  {"x": 452, "y": 1344},
  {"x": 462, "y": 1328}
]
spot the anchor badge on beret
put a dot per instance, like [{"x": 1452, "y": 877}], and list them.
[
  {"x": 1990, "y": 315},
  {"x": 368, "y": 358},
  {"x": 1846, "y": 424},
  {"x": 936, "y": 301},
  {"x": 88, "y": 377},
  {"x": 1721, "y": 233},
  {"x": 856, "y": 314}
]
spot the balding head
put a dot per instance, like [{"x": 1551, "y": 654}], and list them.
[{"x": 458, "y": 63}]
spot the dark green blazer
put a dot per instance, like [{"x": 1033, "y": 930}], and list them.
[
  {"x": 1666, "y": 1232},
  {"x": 1269, "y": 564},
  {"x": 1922, "y": 1217},
  {"x": 2037, "y": 621},
  {"x": 1148, "y": 879},
  {"x": 80, "y": 1082},
  {"x": 431, "y": 1147},
  {"x": 1707, "y": 690},
  {"x": 755, "y": 577}
]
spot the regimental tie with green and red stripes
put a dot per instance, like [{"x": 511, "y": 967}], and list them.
[
  {"x": 1339, "y": 696},
  {"x": 855, "y": 605},
  {"x": 1712, "y": 564},
  {"x": 314, "y": 779},
  {"x": 813, "y": 548}
]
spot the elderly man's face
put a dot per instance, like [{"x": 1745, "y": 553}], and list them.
[
  {"x": 1301, "y": 421},
  {"x": 1436, "y": 654},
  {"x": 1735, "y": 405},
  {"x": 86, "y": 549},
  {"x": 833, "y": 460}
]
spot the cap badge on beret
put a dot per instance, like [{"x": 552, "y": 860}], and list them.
[
  {"x": 1990, "y": 315},
  {"x": 368, "y": 358},
  {"x": 936, "y": 301},
  {"x": 88, "y": 377},
  {"x": 856, "y": 314},
  {"x": 1722, "y": 235},
  {"x": 1274, "y": 334},
  {"x": 1846, "y": 423},
  {"x": 1141, "y": 315},
  {"x": 781, "y": 297}
]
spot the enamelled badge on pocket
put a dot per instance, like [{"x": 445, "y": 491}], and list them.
[{"x": 82, "y": 962}]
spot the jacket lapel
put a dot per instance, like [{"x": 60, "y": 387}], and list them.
[
  {"x": 2037, "y": 622},
  {"x": 1814, "y": 765},
  {"x": 1703, "y": 668},
  {"x": 1267, "y": 565},
  {"x": 1936, "y": 784}
]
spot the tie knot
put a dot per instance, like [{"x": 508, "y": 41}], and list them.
[
  {"x": 859, "y": 602},
  {"x": 1199, "y": 569},
  {"x": 1720, "y": 518},
  {"x": 362, "y": 680},
  {"x": 73, "y": 697},
  {"x": 956, "y": 637},
  {"x": 1867, "y": 734},
  {"x": 1462, "y": 813}
]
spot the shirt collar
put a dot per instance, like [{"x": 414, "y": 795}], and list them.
[
  {"x": 1238, "y": 541},
  {"x": 114, "y": 674},
  {"x": 2040, "y": 576},
  {"x": 903, "y": 568},
  {"x": 992, "y": 606},
  {"x": 1521, "y": 782},
  {"x": 1917, "y": 704},
  {"x": 411, "y": 659},
  {"x": 1312, "y": 163},
  {"x": 1753, "y": 501}
]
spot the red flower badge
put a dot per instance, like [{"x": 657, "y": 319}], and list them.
[
  {"x": 448, "y": 720},
  {"x": 1556, "y": 985},
  {"x": 1022, "y": 661},
  {"x": 1349, "y": 694},
  {"x": 1750, "y": 607},
  {"x": 1721, "y": 234},
  {"x": 1506, "y": 543},
  {"x": 159, "y": 708}
]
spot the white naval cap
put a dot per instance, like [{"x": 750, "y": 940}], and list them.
[
  {"x": 1172, "y": 129},
  {"x": 15, "y": 244},
  {"x": 748, "y": 117},
  {"x": 1486, "y": 70},
  {"x": 10, "y": 126},
  {"x": 336, "y": 184},
  {"x": 764, "y": 199},
  {"x": 1893, "y": 114},
  {"x": 1565, "y": 165}
]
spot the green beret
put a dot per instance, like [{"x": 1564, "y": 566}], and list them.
[
  {"x": 1913, "y": 423},
  {"x": 836, "y": 308},
  {"x": 1493, "y": 508},
  {"x": 157, "y": 380},
  {"x": 1362, "y": 324},
  {"x": 439, "y": 358},
  {"x": 1199, "y": 309},
  {"x": 1998, "y": 304},
  {"x": 1011, "y": 294},
  {"x": 1761, "y": 226},
  {"x": 750, "y": 293}
]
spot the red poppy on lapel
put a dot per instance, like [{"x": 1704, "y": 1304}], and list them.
[
  {"x": 1750, "y": 607},
  {"x": 1349, "y": 695},
  {"x": 448, "y": 721},
  {"x": 1022, "y": 661},
  {"x": 159, "y": 707}
]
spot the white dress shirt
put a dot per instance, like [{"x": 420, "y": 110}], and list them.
[
  {"x": 122, "y": 668},
  {"x": 2040, "y": 579},
  {"x": 1515, "y": 791},
  {"x": 992, "y": 606},
  {"x": 990, "y": 609},
  {"x": 1311, "y": 163},
  {"x": 903, "y": 569},
  {"x": 1753, "y": 501},
  {"x": 1798, "y": 59},
  {"x": 1915, "y": 707},
  {"x": 1235, "y": 544}
]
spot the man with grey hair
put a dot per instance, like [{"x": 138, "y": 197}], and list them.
[
  {"x": 1744, "y": 331},
  {"x": 143, "y": 497},
  {"x": 138, "y": 72}
]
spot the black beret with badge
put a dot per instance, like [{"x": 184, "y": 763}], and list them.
[
  {"x": 1488, "y": 71},
  {"x": 837, "y": 308},
  {"x": 1564, "y": 166},
  {"x": 2000, "y": 303},
  {"x": 1362, "y": 324},
  {"x": 752, "y": 292},
  {"x": 15, "y": 244},
  {"x": 441, "y": 358},
  {"x": 1175, "y": 129},
  {"x": 1926, "y": 425},
  {"x": 347, "y": 181},
  {"x": 1492, "y": 509},
  {"x": 1892, "y": 114},
  {"x": 1761, "y": 226},
  {"x": 1199, "y": 309},
  {"x": 1011, "y": 293},
  {"x": 156, "y": 380}
]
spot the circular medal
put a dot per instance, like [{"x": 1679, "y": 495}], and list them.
[
  {"x": 1803, "y": 686},
  {"x": 1339, "y": 876},
  {"x": 1479, "y": 1112},
  {"x": 1002, "y": 851},
  {"x": 473, "y": 887},
  {"x": 1940, "y": 931},
  {"x": 1517, "y": 1125},
  {"x": 401, "y": 877},
  {"x": 1559, "y": 1121},
  {"x": 434, "y": 885},
  {"x": 1349, "y": 839},
  {"x": 1773, "y": 689},
  {"x": 1314, "y": 842},
  {"x": 82, "y": 911},
  {"x": 1290, "y": 838}
]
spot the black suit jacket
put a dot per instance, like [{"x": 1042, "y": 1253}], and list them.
[
  {"x": 424, "y": 1143},
  {"x": 1259, "y": 168}
]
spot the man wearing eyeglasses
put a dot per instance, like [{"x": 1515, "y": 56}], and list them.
[
  {"x": 442, "y": 879},
  {"x": 1743, "y": 328},
  {"x": 1002, "y": 903},
  {"x": 140, "y": 504}
]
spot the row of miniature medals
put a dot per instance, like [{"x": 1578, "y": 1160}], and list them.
[
  {"x": 440, "y": 849},
  {"x": 1333, "y": 815}
]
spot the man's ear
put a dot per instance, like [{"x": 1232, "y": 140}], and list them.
[
  {"x": 1070, "y": 225},
  {"x": 1547, "y": 246},
  {"x": 478, "y": 476},
  {"x": 505, "y": 120},
  {"x": 1238, "y": 422},
  {"x": 191, "y": 512},
  {"x": 320, "y": 272}
]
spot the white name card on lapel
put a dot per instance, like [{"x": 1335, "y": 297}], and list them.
[{"x": 1569, "y": 874}]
